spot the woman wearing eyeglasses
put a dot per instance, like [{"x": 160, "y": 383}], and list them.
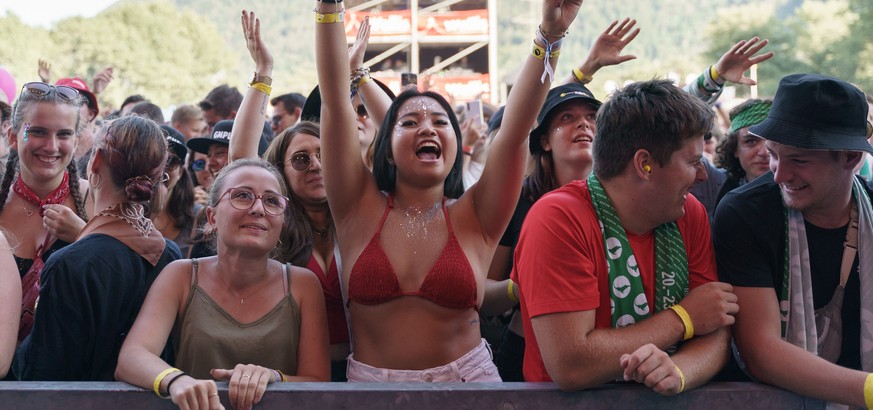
[
  {"x": 92, "y": 289},
  {"x": 296, "y": 153},
  {"x": 238, "y": 316},
  {"x": 42, "y": 208}
]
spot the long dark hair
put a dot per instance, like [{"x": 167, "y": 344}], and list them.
[
  {"x": 298, "y": 248},
  {"x": 386, "y": 173}
]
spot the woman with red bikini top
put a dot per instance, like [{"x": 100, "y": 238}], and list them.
[{"x": 403, "y": 251}]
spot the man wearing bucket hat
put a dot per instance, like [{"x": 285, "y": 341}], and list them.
[
  {"x": 617, "y": 269},
  {"x": 797, "y": 243}
]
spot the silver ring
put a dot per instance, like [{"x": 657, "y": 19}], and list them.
[{"x": 245, "y": 375}]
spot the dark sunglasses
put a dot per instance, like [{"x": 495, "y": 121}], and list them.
[
  {"x": 173, "y": 161},
  {"x": 302, "y": 161},
  {"x": 361, "y": 111},
  {"x": 40, "y": 89},
  {"x": 198, "y": 165}
]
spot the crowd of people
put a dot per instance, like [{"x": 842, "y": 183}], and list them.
[{"x": 354, "y": 235}]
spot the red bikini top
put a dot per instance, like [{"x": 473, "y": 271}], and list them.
[{"x": 450, "y": 283}]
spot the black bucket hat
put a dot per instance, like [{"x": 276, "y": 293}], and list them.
[
  {"x": 175, "y": 140},
  {"x": 812, "y": 111},
  {"x": 312, "y": 107},
  {"x": 556, "y": 97}
]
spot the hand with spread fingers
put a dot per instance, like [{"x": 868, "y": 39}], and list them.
[
  {"x": 246, "y": 383},
  {"x": 609, "y": 44},
  {"x": 653, "y": 367},
  {"x": 739, "y": 58},
  {"x": 192, "y": 394},
  {"x": 251, "y": 26}
]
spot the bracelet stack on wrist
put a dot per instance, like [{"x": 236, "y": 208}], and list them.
[
  {"x": 357, "y": 78},
  {"x": 156, "y": 385},
  {"x": 546, "y": 52}
]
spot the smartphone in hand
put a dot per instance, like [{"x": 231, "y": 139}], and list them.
[
  {"x": 474, "y": 111},
  {"x": 408, "y": 79}
]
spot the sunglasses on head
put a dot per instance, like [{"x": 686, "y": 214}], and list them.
[
  {"x": 40, "y": 89},
  {"x": 198, "y": 165},
  {"x": 302, "y": 161}
]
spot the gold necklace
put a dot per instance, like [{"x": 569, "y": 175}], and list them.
[{"x": 242, "y": 300}]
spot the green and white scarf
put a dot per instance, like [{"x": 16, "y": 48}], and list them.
[{"x": 628, "y": 299}]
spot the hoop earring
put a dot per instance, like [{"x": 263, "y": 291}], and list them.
[{"x": 98, "y": 183}]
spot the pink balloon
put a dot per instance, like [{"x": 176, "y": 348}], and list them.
[{"x": 7, "y": 87}]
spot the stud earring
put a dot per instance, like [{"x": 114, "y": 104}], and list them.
[{"x": 647, "y": 168}]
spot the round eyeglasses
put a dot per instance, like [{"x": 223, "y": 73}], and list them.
[
  {"x": 243, "y": 199},
  {"x": 40, "y": 89},
  {"x": 302, "y": 161}
]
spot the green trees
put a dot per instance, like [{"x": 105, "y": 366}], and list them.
[{"x": 169, "y": 55}]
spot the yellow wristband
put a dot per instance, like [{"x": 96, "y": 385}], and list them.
[
  {"x": 686, "y": 320},
  {"x": 157, "y": 383},
  {"x": 580, "y": 76},
  {"x": 868, "y": 391},
  {"x": 510, "y": 292},
  {"x": 681, "y": 379},
  {"x": 327, "y": 18},
  {"x": 364, "y": 80},
  {"x": 713, "y": 73},
  {"x": 266, "y": 89},
  {"x": 540, "y": 52}
]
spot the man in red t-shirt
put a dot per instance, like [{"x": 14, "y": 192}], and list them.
[{"x": 593, "y": 307}]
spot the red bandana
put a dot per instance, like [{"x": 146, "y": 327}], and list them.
[{"x": 58, "y": 196}]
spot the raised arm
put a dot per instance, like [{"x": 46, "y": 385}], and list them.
[
  {"x": 249, "y": 121},
  {"x": 375, "y": 99},
  {"x": 346, "y": 177},
  {"x": 139, "y": 361},
  {"x": 606, "y": 50},
  {"x": 10, "y": 304},
  {"x": 730, "y": 67},
  {"x": 497, "y": 191}
]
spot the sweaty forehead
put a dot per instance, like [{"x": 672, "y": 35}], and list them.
[{"x": 421, "y": 105}]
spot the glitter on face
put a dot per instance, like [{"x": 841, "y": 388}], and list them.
[{"x": 26, "y": 129}]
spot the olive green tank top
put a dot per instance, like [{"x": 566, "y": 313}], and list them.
[{"x": 206, "y": 337}]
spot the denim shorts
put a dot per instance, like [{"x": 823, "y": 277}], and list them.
[{"x": 475, "y": 366}]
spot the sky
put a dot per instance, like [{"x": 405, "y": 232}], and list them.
[{"x": 45, "y": 12}]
